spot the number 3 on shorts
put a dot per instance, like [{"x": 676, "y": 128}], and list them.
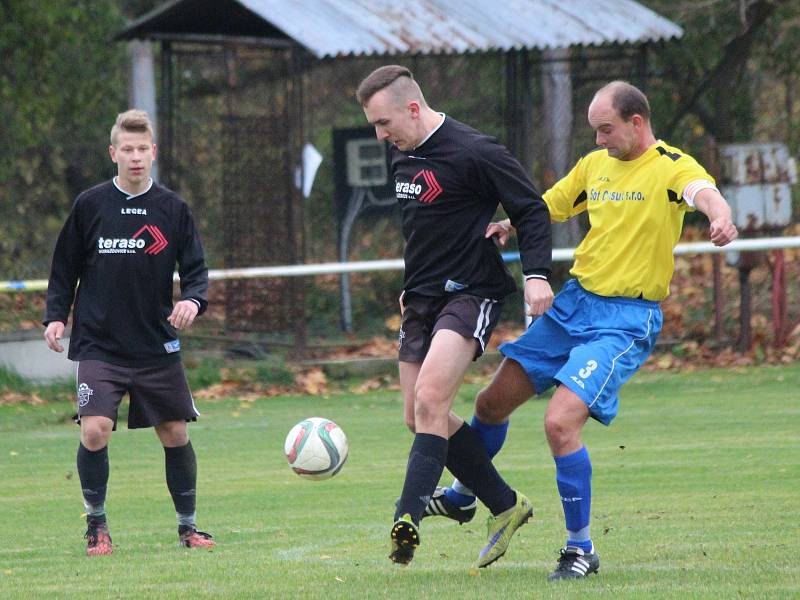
[{"x": 585, "y": 373}]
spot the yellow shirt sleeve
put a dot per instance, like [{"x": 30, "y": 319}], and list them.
[
  {"x": 567, "y": 197},
  {"x": 685, "y": 171}
]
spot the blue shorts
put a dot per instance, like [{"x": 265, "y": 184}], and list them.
[{"x": 591, "y": 344}]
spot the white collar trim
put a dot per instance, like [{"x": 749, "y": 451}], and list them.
[
  {"x": 128, "y": 194},
  {"x": 432, "y": 131}
]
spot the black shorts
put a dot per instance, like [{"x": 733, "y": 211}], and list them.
[
  {"x": 469, "y": 316},
  {"x": 157, "y": 394}
]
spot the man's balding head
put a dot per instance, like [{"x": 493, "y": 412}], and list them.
[
  {"x": 620, "y": 115},
  {"x": 626, "y": 99}
]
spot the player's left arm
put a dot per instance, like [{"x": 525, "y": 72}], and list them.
[
  {"x": 504, "y": 179},
  {"x": 183, "y": 314},
  {"x": 710, "y": 202},
  {"x": 501, "y": 178},
  {"x": 564, "y": 200},
  {"x": 193, "y": 275}
]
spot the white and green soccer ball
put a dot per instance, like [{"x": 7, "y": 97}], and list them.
[{"x": 316, "y": 448}]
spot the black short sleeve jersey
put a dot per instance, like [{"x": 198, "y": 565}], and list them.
[
  {"x": 123, "y": 250},
  {"x": 448, "y": 189}
]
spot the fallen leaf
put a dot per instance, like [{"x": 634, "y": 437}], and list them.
[{"x": 312, "y": 382}]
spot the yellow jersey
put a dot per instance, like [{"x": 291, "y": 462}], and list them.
[{"x": 636, "y": 210}]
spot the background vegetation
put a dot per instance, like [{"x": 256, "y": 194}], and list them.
[{"x": 732, "y": 77}]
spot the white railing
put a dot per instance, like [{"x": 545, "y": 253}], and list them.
[{"x": 559, "y": 255}]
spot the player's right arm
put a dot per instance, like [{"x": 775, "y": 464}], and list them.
[
  {"x": 568, "y": 197},
  {"x": 65, "y": 270}
]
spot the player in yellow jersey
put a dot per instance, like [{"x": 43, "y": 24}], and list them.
[{"x": 605, "y": 321}]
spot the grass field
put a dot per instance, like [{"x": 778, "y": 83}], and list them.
[{"x": 695, "y": 495}]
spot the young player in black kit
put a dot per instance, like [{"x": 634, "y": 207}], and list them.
[
  {"x": 449, "y": 179},
  {"x": 122, "y": 240}
]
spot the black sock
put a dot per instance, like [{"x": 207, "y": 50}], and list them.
[
  {"x": 93, "y": 473},
  {"x": 468, "y": 460},
  {"x": 425, "y": 467},
  {"x": 181, "y": 468}
]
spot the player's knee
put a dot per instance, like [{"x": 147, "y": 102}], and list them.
[
  {"x": 427, "y": 405},
  {"x": 94, "y": 436},
  {"x": 487, "y": 409},
  {"x": 427, "y": 396},
  {"x": 559, "y": 432},
  {"x": 423, "y": 413},
  {"x": 173, "y": 433}
]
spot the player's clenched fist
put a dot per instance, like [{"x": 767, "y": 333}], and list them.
[{"x": 538, "y": 296}]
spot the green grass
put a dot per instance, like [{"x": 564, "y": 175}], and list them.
[{"x": 695, "y": 496}]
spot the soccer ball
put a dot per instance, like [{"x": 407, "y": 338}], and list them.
[{"x": 316, "y": 448}]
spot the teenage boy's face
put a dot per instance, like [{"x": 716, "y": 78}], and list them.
[{"x": 134, "y": 154}]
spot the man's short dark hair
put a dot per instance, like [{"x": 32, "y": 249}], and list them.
[
  {"x": 627, "y": 100},
  {"x": 380, "y": 79}
]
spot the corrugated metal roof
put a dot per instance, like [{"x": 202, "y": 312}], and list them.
[{"x": 377, "y": 27}]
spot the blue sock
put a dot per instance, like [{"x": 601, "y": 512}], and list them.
[
  {"x": 574, "y": 480},
  {"x": 493, "y": 437},
  {"x": 458, "y": 498}
]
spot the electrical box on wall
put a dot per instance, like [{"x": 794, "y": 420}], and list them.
[
  {"x": 756, "y": 183},
  {"x": 366, "y": 162},
  {"x": 361, "y": 165}
]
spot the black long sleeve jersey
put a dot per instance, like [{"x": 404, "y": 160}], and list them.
[
  {"x": 124, "y": 250},
  {"x": 448, "y": 189}
]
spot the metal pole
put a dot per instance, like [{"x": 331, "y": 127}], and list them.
[
  {"x": 719, "y": 298},
  {"x": 142, "y": 83},
  {"x": 353, "y": 207},
  {"x": 557, "y": 111}
]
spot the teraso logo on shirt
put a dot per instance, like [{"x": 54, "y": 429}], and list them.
[
  {"x": 423, "y": 187},
  {"x": 148, "y": 239}
]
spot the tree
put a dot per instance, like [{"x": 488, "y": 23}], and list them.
[
  {"x": 62, "y": 81},
  {"x": 708, "y": 74}
]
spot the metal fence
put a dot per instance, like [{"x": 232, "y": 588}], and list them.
[
  {"x": 714, "y": 322},
  {"x": 237, "y": 115}
]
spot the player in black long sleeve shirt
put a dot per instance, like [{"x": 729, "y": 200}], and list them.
[
  {"x": 449, "y": 180},
  {"x": 449, "y": 187},
  {"x": 123, "y": 249},
  {"x": 119, "y": 246}
]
